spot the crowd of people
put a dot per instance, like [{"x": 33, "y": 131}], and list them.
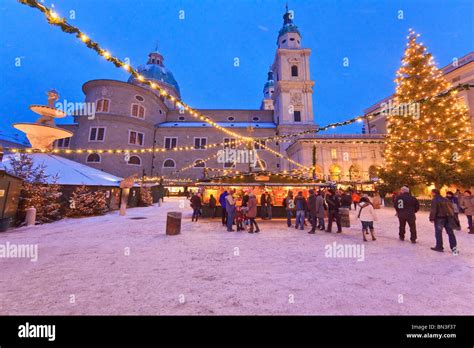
[{"x": 240, "y": 210}]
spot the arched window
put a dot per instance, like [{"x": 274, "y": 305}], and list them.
[
  {"x": 199, "y": 163},
  {"x": 93, "y": 158},
  {"x": 294, "y": 70},
  {"x": 169, "y": 163},
  {"x": 135, "y": 161}
]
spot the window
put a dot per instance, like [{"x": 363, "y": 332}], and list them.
[
  {"x": 139, "y": 98},
  {"x": 292, "y": 39},
  {"x": 200, "y": 143},
  {"x": 297, "y": 116},
  {"x": 169, "y": 163},
  {"x": 294, "y": 70},
  {"x": 255, "y": 119},
  {"x": 64, "y": 143},
  {"x": 171, "y": 143},
  {"x": 334, "y": 153},
  {"x": 97, "y": 134},
  {"x": 199, "y": 163},
  {"x": 102, "y": 105},
  {"x": 283, "y": 41},
  {"x": 181, "y": 118},
  {"x": 138, "y": 110},
  {"x": 135, "y": 161},
  {"x": 259, "y": 144},
  {"x": 93, "y": 158},
  {"x": 374, "y": 154},
  {"x": 229, "y": 143},
  {"x": 135, "y": 138},
  {"x": 230, "y": 118}
]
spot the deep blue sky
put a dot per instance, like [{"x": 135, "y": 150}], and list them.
[{"x": 200, "y": 49}]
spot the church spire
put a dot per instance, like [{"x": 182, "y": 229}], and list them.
[{"x": 289, "y": 35}]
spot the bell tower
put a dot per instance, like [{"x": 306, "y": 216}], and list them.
[{"x": 293, "y": 85}]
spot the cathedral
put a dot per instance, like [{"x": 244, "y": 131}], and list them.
[{"x": 130, "y": 115}]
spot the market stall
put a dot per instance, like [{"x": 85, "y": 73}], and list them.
[{"x": 276, "y": 185}]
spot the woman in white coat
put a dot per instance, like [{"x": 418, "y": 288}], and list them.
[{"x": 366, "y": 214}]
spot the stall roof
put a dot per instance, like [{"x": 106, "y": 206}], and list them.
[
  {"x": 261, "y": 178},
  {"x": 69, "y": 172}
]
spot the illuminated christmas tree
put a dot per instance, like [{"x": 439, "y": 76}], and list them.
[
  {"x": 426, "y": 132},
  {"x": 145, "y": 198},
  {"x": 84, "y": 202},
  {"x": 36, "y": 191}
]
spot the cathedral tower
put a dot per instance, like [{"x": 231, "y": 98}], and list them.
[{"x": 293, "y": 91}]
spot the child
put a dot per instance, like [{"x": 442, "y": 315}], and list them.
[
  {"x": 240, "y": 218},
  {"x": 366, "y": 214}
]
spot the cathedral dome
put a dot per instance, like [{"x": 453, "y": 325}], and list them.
[{"x": 155, "y": 70}]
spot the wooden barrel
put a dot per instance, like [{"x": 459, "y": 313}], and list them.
[
  {"x": 173, "y": 223},
  {"x": 344, "y": 213}
]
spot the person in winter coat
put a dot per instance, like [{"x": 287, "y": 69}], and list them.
[
  {"x": 406, "y": 207},
  {"x": 455, "y": 202},
  {"x": 230, "y": 209},
  {"x": 212, "y": 205},
  {"x": 366, "y": 215},
  {"x": 269, "y": 206},
  {"x": 355, "y": 198},
  {"x": 441, "y": 214},
  {"x": 263, "y": 205},
  {"x": 312, "y": 211},
  {"x": 333, "y": 204},
  {"x": 467, "y": 204},
  {"x": 346, "y": 200},
  {"x": 252, "y": 212},
  {"x": 320, "y": 211},
  {"x": 196, "y": 204},
  {"x": 301, "y": 207},
  {"x": 222, "y": 202},
  {"x": 289, "y": 205}
]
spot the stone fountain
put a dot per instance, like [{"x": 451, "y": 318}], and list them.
[{"x": 44, "y": 131}]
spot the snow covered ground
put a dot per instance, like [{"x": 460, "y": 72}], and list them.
[{"x": 112, "y": 265}]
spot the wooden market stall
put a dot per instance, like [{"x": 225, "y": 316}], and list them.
[{"x": 275, "y": 184}]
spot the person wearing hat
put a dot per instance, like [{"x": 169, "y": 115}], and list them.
[{"x": 406, "y": 206}]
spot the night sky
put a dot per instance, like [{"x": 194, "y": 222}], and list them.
[{"x": 200, "y": 49}]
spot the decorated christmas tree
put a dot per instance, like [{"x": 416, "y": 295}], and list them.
[
  {"x": 39, "y": 190},
  {"x": 146, "y": 197},
  {"x": 84, "y": 202},
  {"x": 427, "y": 127}
]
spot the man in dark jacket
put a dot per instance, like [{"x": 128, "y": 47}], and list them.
[
  {"x": 263, "y": 205},
  {"x": 440, "y": 214},
  {"x": 312, "y": 211},
  {"x": 346, "y": 200},
  {"x": 223, "y": 203},
  {"x": 406, "y": 206},
  {"x": 196, "y": 204},
  {"x": 301, "y": 207},
  {"x": 333, "y": 203}
]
